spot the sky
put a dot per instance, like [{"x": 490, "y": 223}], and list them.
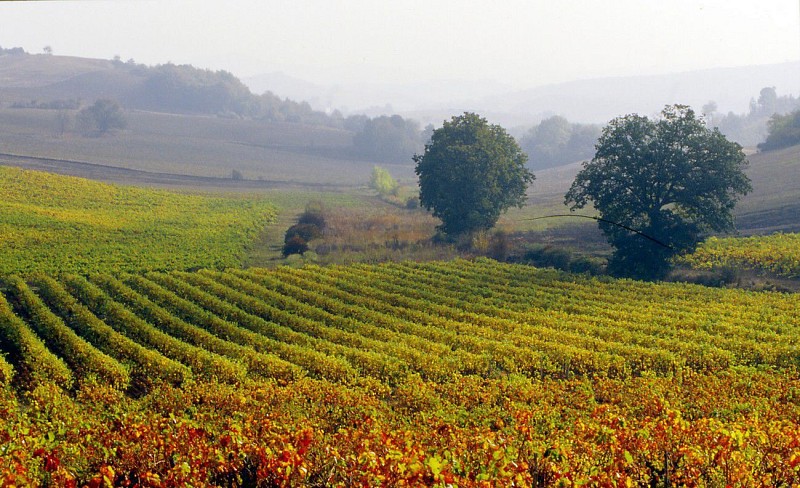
[{"x": 519, "y": 43}]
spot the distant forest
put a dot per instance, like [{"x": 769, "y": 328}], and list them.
[
  {"x": 185, "y": 89},
  {"x": 751, "y": 129}
]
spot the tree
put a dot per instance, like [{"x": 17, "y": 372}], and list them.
[
  {"x": 783, "y": 131},
  {"x": 388, "y": 139},
  {"x": 767, "y": 100},
  {"x": 555, "y": 141},
  {"x": 101, "y": 117},
  {"x": 669, "y": 180},
  {"x": 382, "y": 182},
  {"x": 469, "y": 173},
  {"x": 63, "y": 122}
]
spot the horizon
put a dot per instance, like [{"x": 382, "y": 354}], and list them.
[{"x": 519, "y": 44}]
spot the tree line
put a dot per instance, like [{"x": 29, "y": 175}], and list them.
[{"x": 751, "y": 128}]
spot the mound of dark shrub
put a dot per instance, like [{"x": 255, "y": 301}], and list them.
[
  {"x": 295, "y": 245},
  {"x": 309, "y": 226},
  {"x": 313, "y": 215},
  {"x": 307, "y": 232}
]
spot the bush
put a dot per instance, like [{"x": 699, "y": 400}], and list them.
[
  {"x": 548, "y": 257},
  {"x": 307, "y": 232},
  {"x": 382, "y": 182},
  {"x": 313, "y": 215},
  {"x": 499, "y": 246},
  {"x": 295, "y": 245}
]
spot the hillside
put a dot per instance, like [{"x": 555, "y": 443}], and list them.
[
  {"x": 194, "y": 145},
  {"x": 58, "y": 224},
  {"x": 470, "y": 373},
  {"x": 774, "y": 204},
  {"x": 32, "y": 80}
]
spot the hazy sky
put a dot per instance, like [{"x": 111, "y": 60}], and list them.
[{"x": 522, "y": 43}]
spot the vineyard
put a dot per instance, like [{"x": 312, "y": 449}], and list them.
[
  {"x": 776, "y": 253},
  {"x": 461, "y": 373},
  {"x": 55, "y": 224}
]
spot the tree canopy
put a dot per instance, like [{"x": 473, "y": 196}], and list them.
[
  {"x": 100, "y": 117},
  {"x": 671, "y": 179},
  {"x": 555, "y": 141},
  {"x": 783, "y": 131},
  {"x": 381, "y": 181},
  {"x": 390, "y": 139},
  {"x": 470, "y": 172}
]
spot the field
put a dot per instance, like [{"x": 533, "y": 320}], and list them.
[
  {"x": 151, "y": 338},
  {"x": 196, "y": 146},
  {"x": 505, "y": 375},
  {"x": 55, "y": 224},
  {"x": 776, "y": 254}
]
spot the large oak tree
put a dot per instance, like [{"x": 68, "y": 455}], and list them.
[
  {"x": 471, "y": 172},
  {"x": 672, "y": 179}
]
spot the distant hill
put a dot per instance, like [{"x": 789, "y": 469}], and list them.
[
  {"x": 599, "y": 100},
  {"x": 583, "y": 101},
  {"x": 30, "y": 79}
]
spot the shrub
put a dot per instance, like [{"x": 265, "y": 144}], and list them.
[
  {"x": 499, "y": 246},
  {"x": 307, "y": 232},
  {"x": 313, "y": 215},
  {"x": 295, "y": 245}
]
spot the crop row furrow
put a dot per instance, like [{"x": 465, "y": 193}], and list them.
[
  {"x": 642, "y": 351},
  {"x": 699, "y": 348},
  {"x": 460, "y": 335},
  {"x": 148, "y": 365},
  {"x": 446, "y": 345},
  {"x": 675, "y": 300},
  {"x": 319, "y": 357},
  {"x": 82, "y": 357},
  {"x": 567, "y": 358},
  {"x": 256, "y": 363},
  {"x": 421, "y": 355},
  {"x": 468, "y": 354},
  {"x": 35, "y": 363},
  {"x": 357, "y": 349},
  {"x": 268, "y": 363},
  {"x": 766, "y": 348},
  {"x": 201, "y": 362},
  {"x": 542, "y": 332}
]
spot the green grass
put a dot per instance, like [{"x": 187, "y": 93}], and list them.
[{"x": 59, "y": 224}]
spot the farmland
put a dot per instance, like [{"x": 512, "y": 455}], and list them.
[
  {"x": 152, "y": 337},
  {"x": 360, "y": 374},
  {"x": 57, "y": 224},
  {"x": 776, "y": 254}
]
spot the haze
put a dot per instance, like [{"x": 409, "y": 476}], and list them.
[{"x": 518, "y": 43}]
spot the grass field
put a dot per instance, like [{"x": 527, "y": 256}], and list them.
[
  {"x": 197, "y": 146},
  {"x": 463, "y": 373},
  {"x": 56, "y": 224}
]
